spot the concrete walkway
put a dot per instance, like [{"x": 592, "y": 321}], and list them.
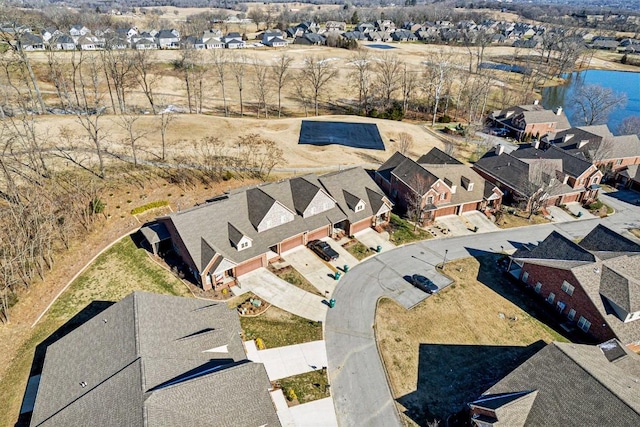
[
  {"x": 283, "y": 295},
  {"x": 319, "y": 413},
  {"x": 283, "y": 362},
  {"x": 319, "y": 273}
]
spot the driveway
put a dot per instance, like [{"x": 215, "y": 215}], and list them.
[
  {"x": 355, "y": 368},
  {"x": 624, "y": 195},
  {"x": 463, "y": 225},
  {"x": 283, "y": 295},
  {"x": 559, "y": 214},
  {"x": 345, "y": 257},
  {"x": 372, "y": 239},
  {"x": 319, "y": 273},
  {"x": 283, "y": 362}
]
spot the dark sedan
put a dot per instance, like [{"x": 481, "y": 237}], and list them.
[
  {"x": 323, "y": 250},
  {"x": 424, "y": 284}
]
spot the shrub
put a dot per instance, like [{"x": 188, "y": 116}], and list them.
[
  {"x": 146, "y": 207},
  {"x": 96, "y": 206},
  {"x": 291, "y": 395},
  {"x": 444, "y": 119},
  {"x": 595, "y": 205},
  {"x": 227, "y": 175}
]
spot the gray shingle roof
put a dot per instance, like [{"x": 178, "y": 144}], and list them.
[
  {"x": 603, "y": 239},
  {"x": 438, "y": 157},
  {"x": 155, "y": 233},
  {"x": 303, "y": 193},
  {"x": 555, "y": 247},
  {"x": 136, "y": 353},
  {"x": 245, "y": 208},
  {"x": 392, "y": 162},
  {"x": 620, "y": 282},
  {"x": 577, "y": 386},
  {"x": 572, "y": 165}
]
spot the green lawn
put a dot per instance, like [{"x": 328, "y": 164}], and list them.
[
  {"x": 402, "y": 231},
  {"x": 307, "y": 387},
  {"x": 293, "y": 276},
  {"x": 278, "y": 328},
  {"x": 116, "y": 273}
]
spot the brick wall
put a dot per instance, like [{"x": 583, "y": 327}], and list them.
[{"x": 551, "y": 280}]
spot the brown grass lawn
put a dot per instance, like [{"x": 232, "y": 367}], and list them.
[
  {"x": 453, "y": 346},
  {"x": 307, "y": 387},
  {"x": 519, "y": 219},
  {"x": 278, "y": 328},
  {"x": 293, "y": 276},
  {"x": 121, "y": 270},
  {"x": 635, "y": 232}
]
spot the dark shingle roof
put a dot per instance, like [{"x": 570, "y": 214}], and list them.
[
  {"x": 143, "y": 349},
  {"x": 392, "y": 162},
  {"x": 620, "y": 283},
  {"x": 259, "y": 204},
  {"x": 438, "y": 157},
  {"x": 576, "y": 386},
  {"x": 573, "y": 165},
  {"x": 603, "y": 239},
  {"x": 555, "y": 247},
  {"x": 303, "y": 193}
]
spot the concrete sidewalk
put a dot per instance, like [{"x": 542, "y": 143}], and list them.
[
  {"x": 319, "y": 413},
  {"x": 282, "y": 362},
  {"x": 372, "y": 239},
  {"x": 283, "y": 295}
]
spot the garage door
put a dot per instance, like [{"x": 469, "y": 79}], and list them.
[
  {"x": 359, "y": 226},
  {"x": 318, "y": 234},
  {"x": 469, "y": 207},
  {"x": 248, "y": 266},
  {"x": 291, "y": 243},
  {"x": 451, "y": 210},
  {"x": 571, "y": 198}
]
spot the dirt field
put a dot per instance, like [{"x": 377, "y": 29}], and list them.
[
  {"x": 449, "y": 349},
  {"x": 188, "y": 128}
]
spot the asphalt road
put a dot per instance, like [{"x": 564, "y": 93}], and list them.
[{"x": 359, "y": 386}]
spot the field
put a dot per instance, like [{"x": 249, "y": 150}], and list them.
[
  {"x": 450, "y": 348},
  {"x": 119, "y": 271}
]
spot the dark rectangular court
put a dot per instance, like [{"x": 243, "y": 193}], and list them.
[{"x": 356, "y": 135}]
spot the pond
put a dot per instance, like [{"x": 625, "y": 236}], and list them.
[
  {"x": 619, "y": 81},
  {"x": 380, "y": 46}
]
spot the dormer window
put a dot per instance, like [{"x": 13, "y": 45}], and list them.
[
  {"x": 244, "y": 245},
  {"x": 359, "y": 207}
]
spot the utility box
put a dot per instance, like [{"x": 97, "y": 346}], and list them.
[
  {"x": 378, "y": 248},
  {"x": 336, "y": 276},
  {"x": 332, "y": 303}
]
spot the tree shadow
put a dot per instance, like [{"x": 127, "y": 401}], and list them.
[
  {"x": 451, "y": 375},
  {"x": 493, "y": 275},
  {"x": 86, "y": 314}
]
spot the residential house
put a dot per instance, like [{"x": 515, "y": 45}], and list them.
[
  {"x": 90, "y": 43},
  {"x": 115, "y": 41},
  {"x": 48, "y": 33},
  {"x": 31, "y": 42},
  {"x": 403, "y": 36},
  {"x": 598, "y": 145},
  {"x": 274, "y": 38},
  {"x": 311, "y": 39},
  {"x": 354, "y": 35},
  {"x": 536, "y": 175},
  {"x": 248, "y": 228},
  {"x": 533, "y": 120},
  {"x": 437, "y": 184},
  {"x": 234, "y": 41},
  {"x": 192, "y": 42},
  {"x": 78, "y": 31},
  {"x": 629, "y": 177},
  {"x": 168, "y": 39},
  {"x": 594, "y": 284},
  {"x": 385, "y": 25},
  {"x": 309, "y": 26},
  {"x": 379, "y": 36},
  {"x": 143, "y": 43},
  {"x": 62, "y": 42},
  {"x": 213, "y": 43},
  {"x": 335, "y": 26},
  {"x": 154, "y": 360},
  {"x": 565, "y": 384},
  {"x": 365, "y": 27},
  {"x": 412, "y": 26}
]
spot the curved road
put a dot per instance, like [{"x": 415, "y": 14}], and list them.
[{"x": 359, "y": 386}]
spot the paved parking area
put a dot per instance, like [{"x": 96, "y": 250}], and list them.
[
  {"x": 462, "y": 225},
  {"x": 576, "y": 209},
  {"x": 345, "y": 256},
  {"x": 283, "y": 295},
  {"x": 625, "y": 195},
  {"x": 559, "y": 214},
  {"x": 282, "y": 362},
  {"x": 319, "y": 413},
  {"x": 372, "y": 239},
  {"x": 314, "y": 269}
]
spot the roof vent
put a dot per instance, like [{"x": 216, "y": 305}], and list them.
[
  {"x": 596, "y": 270},
  {"x": 83, "y": 384},
  {"x": 104, "y": 320}
]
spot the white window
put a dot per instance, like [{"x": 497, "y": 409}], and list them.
[
  {"x": 560, "y": 306},
  {"x": 538, "y": 287},
  {"x": 470, "y": 187},
  {"x": 566, "y": 287},
  {"x": 430, "y": 200},
  {"x": 619, "y": 162},
  {"x": 244, "y": 245},
  {"x": 551, "y": 297},
  {"x": 359, "y": 206},
  {"x": 443, "y": 196},
  {"x": 572, "y": 314},
  {"x": 525, "y": 276},
  {"x": 584, "y": 324}
]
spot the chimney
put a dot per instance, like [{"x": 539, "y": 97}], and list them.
[
  {"x": 559, "y": 111},
  {"x": 499, "y": 149},
  {"x": 535, "y": 102}
]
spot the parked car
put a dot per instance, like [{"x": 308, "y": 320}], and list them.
[
  {"x": 424, "y": 284},
  {"x": 323, "y": 250}
]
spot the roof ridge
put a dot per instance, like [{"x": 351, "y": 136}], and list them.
[{"x": 620, "y": 398}]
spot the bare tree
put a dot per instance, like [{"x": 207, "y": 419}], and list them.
[
  {"x": 281, "y": 75},
  {"x": 318, "y": 72},
  {"x": 166, "y": 117},
  {"x": 594, "y": 103},
  {"x": 388, "y": 70},
  {"x": 404, "y": 143},
  {"x": 409, "y": 86},
  {"x": 543, "y": 180},
  {"x": 437, "y": 76},
  {"x": 259, "y": 155},
  {"x": 261, "y": 86},
  {"x": 119, "y": 68},
  {"x": 416, "y": 199},
  {"x": 361, "y": 76},
  {"x": 238, "y": 69},
  {"x": 143, "y": 64},
  {"x": 630, "y": 126},
  {"x": 303, "y": 94},
  {"x": 220, "y": 63},
  {"x": 133, "y": 133}
]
